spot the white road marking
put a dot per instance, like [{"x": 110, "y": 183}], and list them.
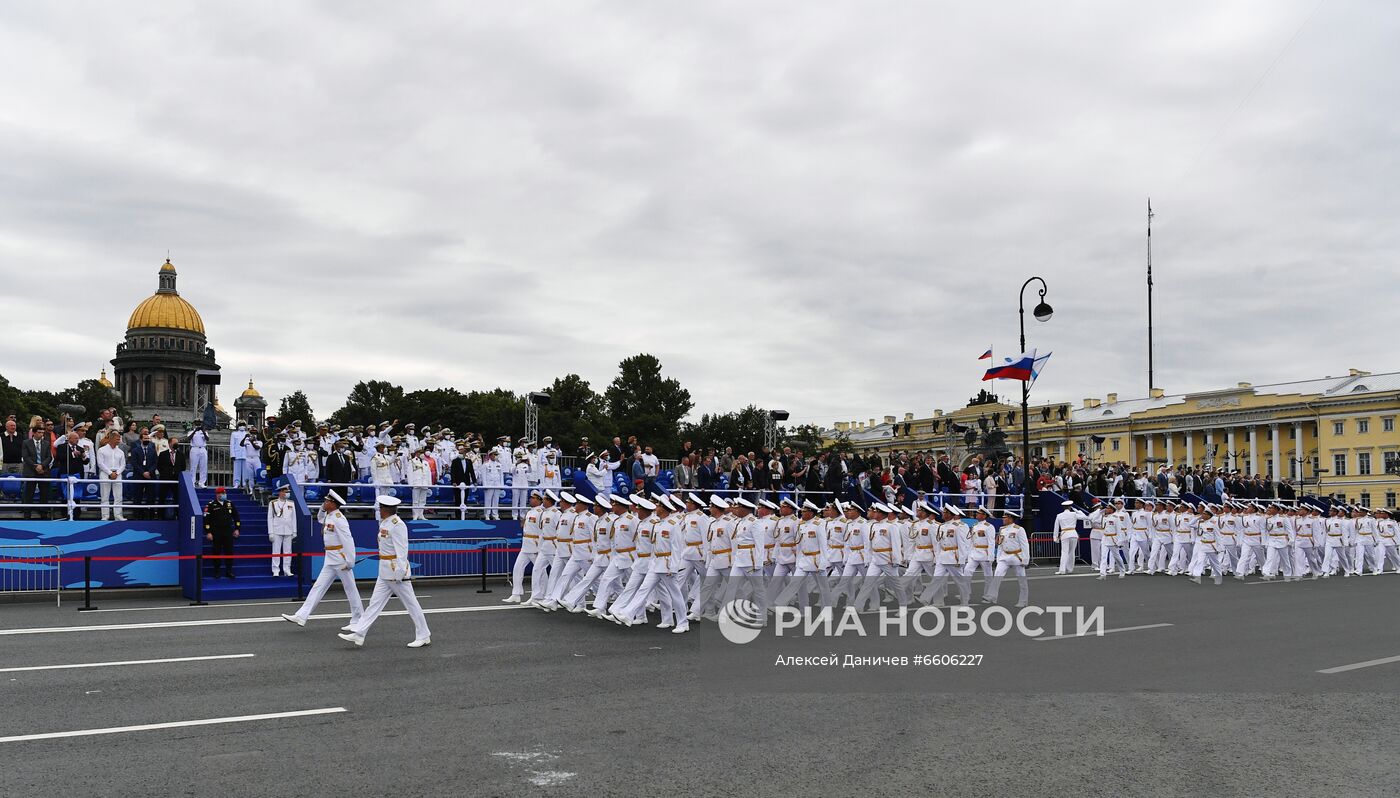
[
  {"x": 119, "y": 627},
  {"x": 217, "y": 605},
  {"x": 124, "y": 662},
  {"x": 1359, "y": 665},
  {"x": 1106, "y": 631},
  {"x": 173, "y": 725}
]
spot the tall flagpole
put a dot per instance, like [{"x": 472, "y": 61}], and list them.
[{"x": 1151, "y": 383}]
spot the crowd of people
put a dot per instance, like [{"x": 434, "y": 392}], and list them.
[{"x": 129, "y": 464}]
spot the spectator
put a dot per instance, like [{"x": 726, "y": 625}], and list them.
[
  {"x": 131, "y": 437},
  {"x": 685, "y": 474},
  {"x": 637, "y": 472},
  {"x": 70, "y": 459},
  {"x": 144, "y": 469},
  {"x": 11, "y": 448},
  {"x": 111, "y": 467},
  {"x": 169, "y": 465}
]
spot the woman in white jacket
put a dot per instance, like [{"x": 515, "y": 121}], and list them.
[{"x": 600, "y": 473}]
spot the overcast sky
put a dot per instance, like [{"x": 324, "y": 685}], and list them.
[{"x": 824, "y": 207}]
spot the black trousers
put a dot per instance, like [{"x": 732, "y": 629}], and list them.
[
  {"x": 165, "y": 494},
  {"x": 223, "y": 544},
  {"x": 36, "y": 493}
]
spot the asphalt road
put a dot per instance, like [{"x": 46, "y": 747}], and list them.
[{"x": 1225, "y": 700}]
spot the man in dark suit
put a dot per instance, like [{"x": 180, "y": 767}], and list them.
[
  {"x": 169, "y": 464},
  {"x": 340, "y": 466},
  {"x": 144, "y": 469},
  {"x": 36, "y": 462},
  {"x": 948, "y": 478},
  {"x": 69, "y": 458}
]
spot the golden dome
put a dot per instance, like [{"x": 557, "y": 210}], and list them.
[
  {"x": 251, "y": 392},
  {"x": 103, "y": 381},
  {"x": 166, "y": 308}
]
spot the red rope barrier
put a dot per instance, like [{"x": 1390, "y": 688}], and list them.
[{"x": 157, "y": 558}]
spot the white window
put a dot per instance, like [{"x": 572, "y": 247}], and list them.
[
  {"x": 1363, "y": 465},
  {"x": 1338, "y": 427},
  {"x": 1366, "y": 500},
  {"x": 1115, "y": 444},
  {"x": 1363, "y": 425},
  {"x": 1390, "y": 499},
  {"x": 1082, "y": 447},
  {"x": 1388, "y": 425},
  {"x": 1339, "y": 465},
  {"x": 1316, "y": 464},
  {"x": 1391, "y": 461}
]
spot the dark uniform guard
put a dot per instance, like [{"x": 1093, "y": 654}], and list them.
[{"x": 221, "y": 527}]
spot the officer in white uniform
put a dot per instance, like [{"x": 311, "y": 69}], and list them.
[
  {"x": 1278, "y": 546},
  {"x": 281, "y": 530},
  {"x": 977, "y": 545},
  {"x": 199, "y": 455},
  {"x": 718, "y": 547},
  {"x": 1013, "y": 554},
  {"x": 747, "y": 563},
  {"x": 239, "y": 455},
  {"x": 785, "y": 548},
  {"x": 921, "y": 551},
  {"x": 339, "y": 562},
  {"x": 810, "y": 565},
  {"x": 493, "y": 480},
  {"x": 1208, "y": 554},
  {"x": 1115, "y": 537},
  {"x": 395, "y": 571},
  {"x": 381, "y": 470},
  {"x": 622, "y": 550},
  {"x": 949, "y": 559},
  {"x": 1067, "y": 533},
  {"x": 886, "y": 539},
  {"x": 530, "y": 532}
]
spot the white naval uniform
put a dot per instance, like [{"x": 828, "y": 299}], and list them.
[
  {"x": 1067, "y": 533},
  {"x": 886, "y": 550},
  {"x": 1367, "y": 545},
  {"x": 563, "y": 551},
  {"x": 520, "y": 489},
  {"x": 857, "y": 541},
  {"x": 784, "y": 554},
  {"x": 592, "y": 556},
  {"x": 719, "y": 546},
  {"x": 420, "y": 479},
  {"x": 641, "y": 564},
  {"x": 381, "y": 472},
  {"x": 339, "y": 563},
  {"x": 809, "y": 566},
  {"x": 1251, "y": 544},
  {"x": 1013, "y": 554},
  {"x": 948, "y": 562},
  {"x": 1140, "y": 540},
  {"x": 1183, "y": 536},
  {"x": 1279, "y": 547},
  {"x": 199, "y": 457},
  {"x": 493, "y": 481},
  {"x": 281, "y": 531},
  {"x": 529, "y": 551},
  {"x": 1337, "y": 552},
  {"x": 1111, "y": 554},
  {"x": 747, "y": 563},
  {"x": 395, "y": 571},
  {"x": 623, "y": 552},
  {"x": 977, "y": 545},
  {"x": 661, "y": 578},
  {"x": 1207, "y": 550},
  {"x": 1389, "y": 532}
]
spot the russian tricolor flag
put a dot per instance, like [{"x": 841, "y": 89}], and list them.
[
  {"x": 987, "y": 355},
  {"x": 1021, "y": 367}
]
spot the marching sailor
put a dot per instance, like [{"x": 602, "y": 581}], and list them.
[
  {"x": 529, "y": 551},
  {"x": 810, "y": 565},
  {"x": 395, "y": 571},
  {"x": 948, "y": 560},
  {"x": 1013, "y": 554},
  {"x": 1207, "y": 547},
  {"x": 339, "y": 562},
  {"x": 977, "y": 544}
]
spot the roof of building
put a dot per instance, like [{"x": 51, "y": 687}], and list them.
[
  {"x": 251, "y": 392},
  {"x": 166, "y": 309}
]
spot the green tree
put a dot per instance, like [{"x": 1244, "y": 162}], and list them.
[
  {"x": 574, "y": 411},
  {"x": 296, "y": 407},
  {"x": 643, "y": 403},
  {"x": 369, "y": 403},
  {"x": 18, "y": 403},
  {"x": 807, "y": 437},
  {"x": 95, "y": 397},
  {"x": 742, "y": 430}
]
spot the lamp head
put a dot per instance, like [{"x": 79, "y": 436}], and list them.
[{"x": 1043, "y": 311}]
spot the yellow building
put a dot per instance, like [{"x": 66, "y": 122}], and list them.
[{"x": 1337, "y": 434}]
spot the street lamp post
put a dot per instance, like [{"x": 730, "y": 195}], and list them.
[{"x": 1042, "y": 312}]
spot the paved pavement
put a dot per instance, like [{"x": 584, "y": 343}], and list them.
[{"x": 1226, "y": 700}]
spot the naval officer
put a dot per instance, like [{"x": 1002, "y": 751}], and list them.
[
  {"x": 339, "y": 562},
  {"x": 395, "y": 571}
]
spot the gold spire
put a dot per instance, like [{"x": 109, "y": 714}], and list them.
[
  {"x": 251, "y": 392},
  {"x": 106, "y": 383}
]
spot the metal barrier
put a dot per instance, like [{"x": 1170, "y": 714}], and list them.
[
  {"x": 31, "y": 569},
  {"x": 75, "y": 494},
  {"x": 460, "y": 557}
]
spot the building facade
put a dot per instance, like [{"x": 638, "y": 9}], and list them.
[
  {"x": 165, "y": 364},
  {"x": 1334, "y": 435}
]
